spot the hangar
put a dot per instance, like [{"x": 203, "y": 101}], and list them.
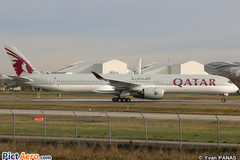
[
  {"x": 119, "y": 67},
  {"x": 215, "y": 67},
  {"x": 101, "y": 67},
  {"x": 191, "y": 67}
]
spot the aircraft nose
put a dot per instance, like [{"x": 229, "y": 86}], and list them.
[{"x": 235, "y": 88}]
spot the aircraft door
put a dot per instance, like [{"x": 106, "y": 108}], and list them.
[
  {"x": 166, "y": 81},
  {"x": 50, "y": 81}
]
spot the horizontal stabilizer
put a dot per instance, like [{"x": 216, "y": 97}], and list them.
[{"x": 20, "y": 79}]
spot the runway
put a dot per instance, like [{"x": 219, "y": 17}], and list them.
[
  {"x": 117, "y": 115},
  {"x": 218, "y": 102}
]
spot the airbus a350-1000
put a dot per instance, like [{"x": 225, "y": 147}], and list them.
[{"x": 144, "y": 86}]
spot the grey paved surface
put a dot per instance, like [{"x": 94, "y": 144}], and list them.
[
  {"x": 219, "y": 102},
  {"x": 119, "y": 115},
  {"x": 158, "y": 142}
]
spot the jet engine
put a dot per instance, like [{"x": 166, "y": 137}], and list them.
[{"x": 151, "y": 93}]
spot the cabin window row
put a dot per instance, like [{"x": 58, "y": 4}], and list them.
[
  {"x": 80, "y": 81},
  {"x": 59, "y": 81}
]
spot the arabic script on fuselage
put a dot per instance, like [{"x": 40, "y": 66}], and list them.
[{"x": 140, "y": 79}]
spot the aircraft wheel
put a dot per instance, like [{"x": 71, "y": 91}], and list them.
[
  {"x": 114, "y": 99},
  {"x": 122, "y": 99},
  {"x": 224, "y": 100},
  {"x": 118, "y": 100},
  {"x": 127, "y": 100}
]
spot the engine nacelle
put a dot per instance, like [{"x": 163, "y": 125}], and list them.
[{"x": 151, "y": 93}]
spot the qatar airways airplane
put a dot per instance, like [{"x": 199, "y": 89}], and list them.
[{"x": 144, "y": 86}]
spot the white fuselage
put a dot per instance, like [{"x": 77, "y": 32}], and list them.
[{"x": 171, "y": 83}]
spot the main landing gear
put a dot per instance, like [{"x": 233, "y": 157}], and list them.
[{"x": 121, "y": 99}]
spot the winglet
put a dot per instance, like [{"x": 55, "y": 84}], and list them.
[{"x": 98, "y": 76}]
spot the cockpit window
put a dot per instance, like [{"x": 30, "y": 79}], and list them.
[{"x": 230, "y": 82}]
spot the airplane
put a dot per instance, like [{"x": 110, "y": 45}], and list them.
[{"x": 145, "y": 86}]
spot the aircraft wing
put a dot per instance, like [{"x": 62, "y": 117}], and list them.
[
  {"x": 19, "y": 79},
  {"x": 119, "y": 85}
]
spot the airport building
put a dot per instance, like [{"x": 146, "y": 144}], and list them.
[
  {"x": 119, "y": 67},
  {"x": 191, "y": 67},
  {"x": 101, "y": 67},
  {"x": 215, "y": 67}
]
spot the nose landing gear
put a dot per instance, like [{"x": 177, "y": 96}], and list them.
[{"x": 224, "y": 97}]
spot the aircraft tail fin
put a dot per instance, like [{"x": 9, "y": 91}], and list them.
[{"x": 20, "y": 64}]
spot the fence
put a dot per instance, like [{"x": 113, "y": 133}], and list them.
[{"x": 122, "y": 125}]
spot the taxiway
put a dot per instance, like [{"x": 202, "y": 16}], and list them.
[
  {"x": 117, "y": 115},
  {"x": 218, "y": 102}
]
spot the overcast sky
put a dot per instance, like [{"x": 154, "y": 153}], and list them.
[{"x": 54, "y": 33}]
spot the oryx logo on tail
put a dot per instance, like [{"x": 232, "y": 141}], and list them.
[{"x": 19, "y": 64}]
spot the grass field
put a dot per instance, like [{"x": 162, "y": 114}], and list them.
[
  {"x": 125, "y": 129},
  {"x": 128, "y": 129},
  {"x": 95, "y": 151}
]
